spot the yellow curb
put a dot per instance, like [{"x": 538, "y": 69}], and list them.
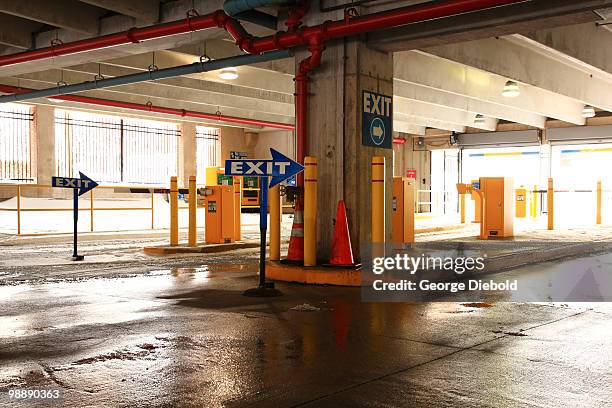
[
  {"x": 316, "y": 275},
  {"x": 205, "y": 249}
]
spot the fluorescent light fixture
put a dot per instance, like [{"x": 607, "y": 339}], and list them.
[
  {"x": 588, "y": 112},
  {"x": 55, "y": 100},
  {"x": 228, "y": 73},
  {"x": 479, "y": 119},
  {"x": 511, "y": 90}
]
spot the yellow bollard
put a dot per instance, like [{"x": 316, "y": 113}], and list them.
[
  {"x": 551, "y": 204},
  {"x": 462, "y": 207},
  {"x": 378, "y": 200},
  {"x": 193, "y": 205},
  {"x": 310, "y": 210},
  {"x": 599, "y": 197},
  {"x": 534, "y": 202},
  {"x": 173, "y": 211},
  {"x": 411, "y": 193},
  {"x": 275, "y": 222},
  {"x": 237, "y": 208}
]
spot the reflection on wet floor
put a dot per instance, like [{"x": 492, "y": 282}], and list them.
[{"x": 184, "y": 336}]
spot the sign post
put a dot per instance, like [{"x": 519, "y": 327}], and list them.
[
  {"x": 79, "y": 187},
  {"x": 278, "y": 169}
]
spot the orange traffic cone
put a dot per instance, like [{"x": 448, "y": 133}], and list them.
[
  {"x": 296, "y": 242},
  {"x": 342, "y": 252}
]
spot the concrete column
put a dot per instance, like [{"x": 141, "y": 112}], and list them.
[
  {"x": 187, "y": 154},
  {"x": 43, "y": 149},
  {"x": 334, "y": 123}
]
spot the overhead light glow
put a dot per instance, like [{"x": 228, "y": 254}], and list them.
[
  {"x": 55, "y": 100},
  {"x": 511, "y": 90},
  {"x": 228, "y": 73},
  {"x": 588, "y": 112}
]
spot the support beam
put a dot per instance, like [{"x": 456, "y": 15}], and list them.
[
  {"x": 16, "y": 31},
  {"x": 409, "y": 128},
  {"x": 143, "y": 10},
  {"x": 68, "y": 14},
  {"x": 413, "y": 91},
  {"x": 458, "y": 78},
  {"x": 428, "y": 122},
  {"x": 517, "y": 60},
  {"x": 198, "y": 95},
  {"x": 461, "y": 118},
  {"x": 527, "y": 15},
  {"x": 161, "y": 102},
  {"x": 585, "y": 44}
]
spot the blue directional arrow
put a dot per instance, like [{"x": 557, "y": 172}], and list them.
[
  {"x": 279, "y": 168},
  {"x": 86, "y": 184},
  {"x": 82, "y": 184}
]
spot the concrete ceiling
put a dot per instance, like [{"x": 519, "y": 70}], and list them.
[{"x": 447, "y": 71}]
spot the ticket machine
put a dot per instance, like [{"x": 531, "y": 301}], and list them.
[
  {"x": 496, "y": 195},
  {"x": 220, "y": 214},
  {"x": 402, "y": 230}
]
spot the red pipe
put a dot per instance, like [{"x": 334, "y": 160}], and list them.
[
  {"x": 156, "y": 109},
  {"x": 299, "y": 36},
  {"x": 371, "y": 22},
  {"x": 133, "y": 35}
]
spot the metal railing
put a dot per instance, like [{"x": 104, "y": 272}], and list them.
[
  {"x": 19, "y": 210},
  {"x": 437, "y": 201}
]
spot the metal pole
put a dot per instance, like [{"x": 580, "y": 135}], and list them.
[
  {"x": 150, "y": 75},
  {"x": 91, "y": 210},
  {"x": 551, "y": 204},
  {"x": 18, "y": 209},
  {"x": 75, "y": 255},
  {"x": 263, "y": 225},
  {"x": 152, "y": 209}
]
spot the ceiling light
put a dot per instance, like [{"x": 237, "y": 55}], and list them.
[
  {"x": 511, "y": 90},
  {"x": 55, "y": 100},
  {"x": 588, "y": 112},
  {"x": 228, "y": 73},
  {"x": 479, "y": 119}
]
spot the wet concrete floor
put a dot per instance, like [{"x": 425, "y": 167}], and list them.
[{"x": 145, "y": 335}]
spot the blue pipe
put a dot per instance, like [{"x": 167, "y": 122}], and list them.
[
  {"x": 245, "y": 10},
  {"x": 152, "y": 75},
  {"x": 233, "y": 7}
]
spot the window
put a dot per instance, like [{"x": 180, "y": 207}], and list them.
[
  {"x": 150, "y": 151},
  {"x": 88, "y": 143},
  {"x": 115, "y": 150},
  {"x": 207, "y": 142},
  {"x": 15, "y": 148}
]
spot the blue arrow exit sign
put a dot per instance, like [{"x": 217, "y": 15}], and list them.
[
  {"x": 377, "y": 120},
  {"x": 279, "y": 168}
]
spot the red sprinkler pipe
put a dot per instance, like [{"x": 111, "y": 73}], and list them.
[
  {"x": 299, "y": 36},
  {"x": 156, "y": 109},
  {"x": 363, "y": 24},
  {"x": 133, "y": 35},
  {"x": 301, "y": 100}
]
